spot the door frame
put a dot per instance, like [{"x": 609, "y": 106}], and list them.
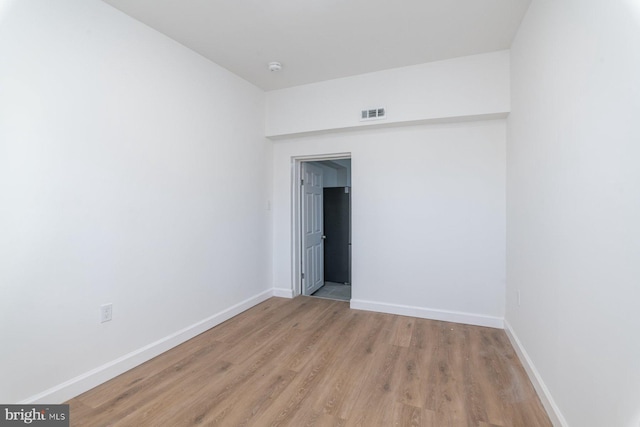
[{"x": 296, "y": 212}]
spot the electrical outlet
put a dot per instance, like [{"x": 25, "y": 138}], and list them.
[{"x": 106, "y": 312}]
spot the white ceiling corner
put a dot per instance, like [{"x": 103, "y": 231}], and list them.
[{"x": 318, "y": 40}]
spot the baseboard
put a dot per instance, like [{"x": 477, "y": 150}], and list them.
[
  {"x": 101, "y": 374},
  {"x": 543, "y": 392},
  {"x": 427, "y": 313},
  {"x": 283, "y": 292}
]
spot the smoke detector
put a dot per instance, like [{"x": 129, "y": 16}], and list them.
[{"x": 275, "y": 66}]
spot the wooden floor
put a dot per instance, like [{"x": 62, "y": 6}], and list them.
[{"x": 315, "y": 362}]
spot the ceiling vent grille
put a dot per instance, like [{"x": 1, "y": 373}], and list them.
[{"x": 378, "y": 113}]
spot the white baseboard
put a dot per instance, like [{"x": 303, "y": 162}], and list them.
[
  {"x": 549, "y": 404},
  {"x": 427, "y": 313},
  {"x": 101, "y": 374},
  {"x": 283, "y": 292}
]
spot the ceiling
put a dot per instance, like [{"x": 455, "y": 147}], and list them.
[{"x": 318, "y": 40}]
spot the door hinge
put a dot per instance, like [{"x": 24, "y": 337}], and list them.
[
  {"x": 303, "y": 275},
  {"x": 302, "y": 182}
]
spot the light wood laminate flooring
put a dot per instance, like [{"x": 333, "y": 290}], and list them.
[{"x": 315, "y": 362}]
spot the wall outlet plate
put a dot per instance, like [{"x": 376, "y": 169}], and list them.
[{"x": 106, "y": 312}]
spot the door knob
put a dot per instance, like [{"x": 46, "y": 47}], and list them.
[{"x": 324, "y": 237}]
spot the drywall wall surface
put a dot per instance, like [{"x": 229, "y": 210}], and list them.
[
  {"x": 132, "y": 172},
  {"x": 573, "y": 179},
  {"x": 428, "y": 214},
  {"x": 344, "y": 174},
  {"x": 329, "y": 176},
  {"x": 460, "y": 88}
]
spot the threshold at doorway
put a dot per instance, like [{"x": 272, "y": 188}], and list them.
[{"x": 331, "y": 290}]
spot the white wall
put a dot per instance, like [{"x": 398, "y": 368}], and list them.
[
  {"x": 333, "y": 176},
  {"x": 428, "y": 217},
  {"x": 344, "y": 173},
  {"x": 456, "y": 89},
  {"x": 329, "y": 175},
  {"x": 122, "y": 158},
  {"x": 573, "y": 207}
]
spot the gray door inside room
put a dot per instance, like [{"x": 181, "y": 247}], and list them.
[{"x": 337, "y": 245}]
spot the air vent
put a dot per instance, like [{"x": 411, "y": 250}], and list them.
[{"x": 377, "y": 113}]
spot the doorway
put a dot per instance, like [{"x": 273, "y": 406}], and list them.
[{"x": 324, "y": 238}]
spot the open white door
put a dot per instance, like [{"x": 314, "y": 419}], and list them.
[{"x": 312, "y": 229}]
